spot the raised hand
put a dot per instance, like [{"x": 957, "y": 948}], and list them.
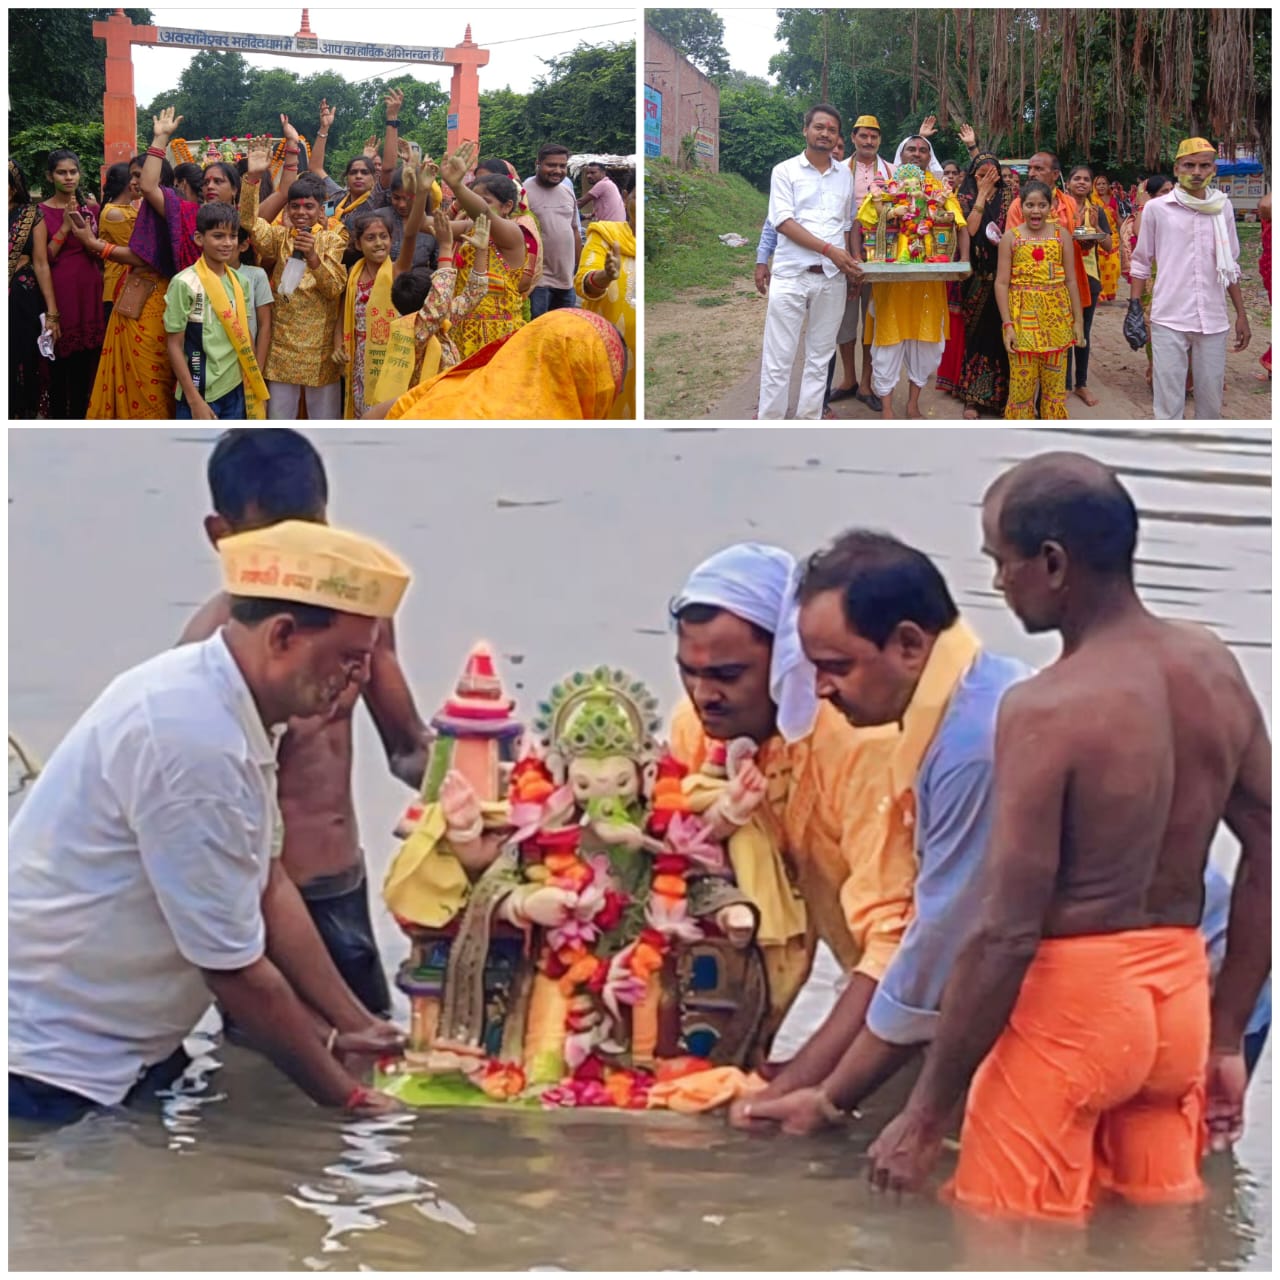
[
  {"x": 967, "y": 135},
  {"x": 290, "y": 133},
  {"x": 394, "y": 101},
  {"x": 456, "y": 167},
  {"x": 612, "y": 263},
  {"x": 428, "y": 171},
  {"x": 371, "y": 148},
  {"x": 443, "y": 233},
  {"x": 928, "y": 127},
  {"x": 327, "y": 114},
  {"x": 404, "y": 152},
  {"x": 479, "y": 235},
  {"x": 986, "y": 180},
  {"x": 165, "y": 124},
  {"x": 258, "y": 155}
]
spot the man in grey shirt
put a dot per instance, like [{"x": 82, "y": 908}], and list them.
[{"x": 557, "y": 211}]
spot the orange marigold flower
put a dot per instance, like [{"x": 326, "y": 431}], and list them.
[{"x": 670, "y": 886}]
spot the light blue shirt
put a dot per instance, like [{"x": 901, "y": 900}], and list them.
[
  {"x": 1213, "y": 924},
  {"x": 954, "y": 809},
  {"x": 768, "y": 243}
]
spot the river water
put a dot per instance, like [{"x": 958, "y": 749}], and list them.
[{"x": 562, "y": 548}]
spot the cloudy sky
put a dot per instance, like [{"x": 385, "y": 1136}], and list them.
[
  {"x": 748, "y": 36},
  {"x": 517, "y": 39}
]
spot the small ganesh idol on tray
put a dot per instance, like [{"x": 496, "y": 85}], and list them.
[
  {"x": 911, "y": 228},
  {"x": 576, "y": 930}
]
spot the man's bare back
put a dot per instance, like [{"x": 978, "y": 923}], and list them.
[
  {"x": 1151, "y": 722},
  {"x": 321, "y": 836}
]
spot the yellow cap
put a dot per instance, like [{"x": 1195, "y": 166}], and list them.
[
  {"x": 309, "y": 563},
  {"x": 867, "y": 122},
  {"x": 1192, "y": 146}
]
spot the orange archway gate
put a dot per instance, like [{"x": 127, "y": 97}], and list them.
[{"x": 120, "y": 110}]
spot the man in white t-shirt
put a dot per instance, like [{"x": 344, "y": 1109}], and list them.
[
  {"x": 144, "y": 874},
  {"x": 551, "y": 196},
  {"x": 811, "y": 205}
]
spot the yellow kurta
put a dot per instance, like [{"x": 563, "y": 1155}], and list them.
[
  {"x": 303, "y": 323},
  {"x": 912, "y": 310},
  {"x": 618, "y": 305},
  {"x": 856, "y": 884}
]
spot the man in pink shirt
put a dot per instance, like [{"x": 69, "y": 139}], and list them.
[
  {"x": 605, "y": 194},
  {"x": 1190, "y": 236},
  {"x": 867, "y": 168}
]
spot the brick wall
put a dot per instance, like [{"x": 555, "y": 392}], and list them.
[{"x": 684, "y": 99}]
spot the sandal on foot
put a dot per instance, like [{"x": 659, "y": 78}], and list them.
[
  {"x": 872, "y": 401},
  {"x": 843, "y": 393}
]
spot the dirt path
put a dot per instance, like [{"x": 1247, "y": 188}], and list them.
[{"x": 702, "y": 358}]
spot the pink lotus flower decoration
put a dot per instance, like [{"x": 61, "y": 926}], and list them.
[
  {"x": 621, "y": 986},
  {"x": 671, "y": 918},
  {"x": 687, "y": 836}
]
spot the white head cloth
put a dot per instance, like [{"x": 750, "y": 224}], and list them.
[
  {"x": 934, "y": 167},
  {"x": 758, "y": 583}
]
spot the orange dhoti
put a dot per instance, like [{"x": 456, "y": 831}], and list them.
[{"x": 1096, "y": 1083}]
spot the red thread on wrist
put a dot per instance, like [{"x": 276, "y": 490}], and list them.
[
  {"x": 357, "y": 1095},
  {"x": 155, "y": 151}
]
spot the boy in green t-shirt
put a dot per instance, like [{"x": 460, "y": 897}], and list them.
[{"x": 201, "y": 350}]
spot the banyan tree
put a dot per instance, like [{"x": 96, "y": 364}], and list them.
[{"x": 1116, "y": 84}]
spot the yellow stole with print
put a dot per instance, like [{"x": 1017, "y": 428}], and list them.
[
  {"x": 236, "y": 323},
  {"x": 954, "y": 652},
  {"x": 378, "y": 315},
  {"x": 396, "y": 376},
  {"x": 345, "y": 206}
]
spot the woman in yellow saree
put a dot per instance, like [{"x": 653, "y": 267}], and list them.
[
  {"x": 606, "y": 283},
  {"x": 566, "y": 364},
  {"x": 1108, "y": 263}
]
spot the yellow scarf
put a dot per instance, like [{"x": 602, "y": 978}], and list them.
[
  {"x": 619, "y": 233},
  {"x": 953, "y": 653},
  {"x": 378, "y": 315},
  {"x": 236, "y": 324},
  {"x": 345, "y": 206},
  {"x": 757, "y": 866},
  {"x": 396, "y": 376}
]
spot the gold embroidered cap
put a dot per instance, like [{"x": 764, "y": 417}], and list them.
[
  {"x": 315, "y": 564},
  {"x": 867, "y": 122},
  {"x": 1193, "y": 146}
]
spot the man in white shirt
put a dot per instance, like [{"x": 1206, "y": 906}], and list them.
[
  {"x": 811, "y": 205},
  {"x": 144, "y": 874}
]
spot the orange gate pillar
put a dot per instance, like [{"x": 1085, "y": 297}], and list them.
[
  {"x": 464, "y": 90},
  {"x": 119, "y": 110}
]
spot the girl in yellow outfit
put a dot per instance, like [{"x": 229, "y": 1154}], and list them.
[
  {"x": 502, "y": 311},
  {"x": 1039, "y": 303},
  {"x": 1108, "y": 218},
  {"x": 606, "y": 283}
]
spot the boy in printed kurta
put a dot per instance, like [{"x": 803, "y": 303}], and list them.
[{"x": 305, "y": 316}]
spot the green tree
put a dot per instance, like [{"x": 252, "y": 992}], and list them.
[
  {"x": 587, "y": 101},
  {"x": 30, "y": 149},
  {"x": 696, "y": 33},
  {"x": 57, "y": 69},
  {"x": 758, "y": 128},
  {"x": 211, "y": 91}
]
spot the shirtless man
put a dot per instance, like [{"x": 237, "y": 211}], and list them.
[
  {"x": 1080, "y": 1008},
  {"x": 257, "y": 477}
]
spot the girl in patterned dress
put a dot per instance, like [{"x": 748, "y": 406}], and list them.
[
  {"x": 502, "y": 311},
  {"x": 1039, "y": 305}
]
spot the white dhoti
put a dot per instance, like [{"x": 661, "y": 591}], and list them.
[
  {"x": 921, "y": 358},
  {"x": 808, "y": 298}
]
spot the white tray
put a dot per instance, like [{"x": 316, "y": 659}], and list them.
[{"x": 908, "y": 272}]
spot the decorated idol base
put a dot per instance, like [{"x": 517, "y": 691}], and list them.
[
  {"x": 597, "y": 950},
  {"x": 904, "y": 272}
]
